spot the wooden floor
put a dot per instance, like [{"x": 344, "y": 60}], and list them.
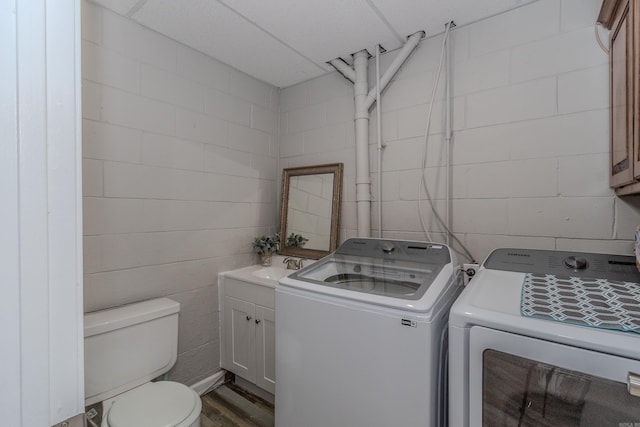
[{"x": 232, "y": 406}]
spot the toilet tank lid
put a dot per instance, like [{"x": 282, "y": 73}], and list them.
[{"x": 102, "y": 321}]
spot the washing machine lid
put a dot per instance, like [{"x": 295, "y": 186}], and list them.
[
  {"x": 492, "y": 298},
  {"x": 391, "y": 269},
  {"x": 158, "y": 404}
]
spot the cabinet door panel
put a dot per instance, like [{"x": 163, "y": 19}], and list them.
[
  {"x": 635, "y": 15},
  {"x": 622, "y": 97},
  {"x": 240, "y": 337},
  {"x": 266, "y": 348}
]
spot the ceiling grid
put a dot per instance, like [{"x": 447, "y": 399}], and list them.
[{"x": 284, "y": 42}]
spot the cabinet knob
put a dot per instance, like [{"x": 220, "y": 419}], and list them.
[
  {"x": 257, "y": 321},
  {"x": 249, "y": 317}
]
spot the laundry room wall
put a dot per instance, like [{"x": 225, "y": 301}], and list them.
[
  {"x": 180, "y": 159},
  {"x": 530, "y": 147}
]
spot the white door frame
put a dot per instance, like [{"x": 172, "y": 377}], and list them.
[{"x": 40, "y": 212}]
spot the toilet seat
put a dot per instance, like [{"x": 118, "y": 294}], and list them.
[{"x": 156, "y": 404}]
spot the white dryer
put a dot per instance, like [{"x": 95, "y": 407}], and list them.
[
  {"x": 361, "y": 336},
  {"x": 547, "y": 338}
]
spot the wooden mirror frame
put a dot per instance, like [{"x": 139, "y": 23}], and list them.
[{"x": 335, "y": 169}]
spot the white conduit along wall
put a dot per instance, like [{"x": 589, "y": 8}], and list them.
[{"x": 364, "y": 99}]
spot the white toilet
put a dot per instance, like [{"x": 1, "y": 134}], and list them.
[{"x": 125, "y": 348}]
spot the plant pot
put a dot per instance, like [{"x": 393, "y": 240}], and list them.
[{"x": 265, "y": 259}]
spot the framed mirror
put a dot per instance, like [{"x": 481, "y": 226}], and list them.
[{"x": 310, "y": 210}]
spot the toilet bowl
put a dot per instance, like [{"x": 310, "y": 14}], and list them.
[
  {"x": 125, "y": 349},
  {"x": 158, "y": 404}
]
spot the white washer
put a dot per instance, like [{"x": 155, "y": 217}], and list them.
[
  {"x": 508, "y": 369},
  {"x": 359, "y": 336}
]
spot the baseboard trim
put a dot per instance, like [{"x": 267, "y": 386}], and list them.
[
  {"x": 255, "y": 389},
  {"x": 206, "y": 385}
]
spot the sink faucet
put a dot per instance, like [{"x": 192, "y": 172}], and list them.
[{"x": 293, "y": 263}]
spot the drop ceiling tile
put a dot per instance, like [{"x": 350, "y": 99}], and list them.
[
  {"x": 118, "y": 6},
  {"x": 432, "y": 15},
  {"x": 321, "y": 29},
  {"x": 284, "y": 42},
  {"x": 215, "y": 30}
]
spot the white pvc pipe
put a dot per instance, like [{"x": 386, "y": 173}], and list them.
[
  {"x": 447, "y": 137},
  {"x": 379, "y": 132},
  {"x": 423, "y": 180},
  {"x": 344, "y": 69},
  {"x": 363, "y": 177},
  {"x": 411, "y": 43},
  {"x": 364, "y": 99}
]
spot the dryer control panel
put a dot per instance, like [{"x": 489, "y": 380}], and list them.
[{"x": 563, "y": 263}]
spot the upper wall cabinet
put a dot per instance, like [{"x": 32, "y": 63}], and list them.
[{"x": 622, "y": 17}]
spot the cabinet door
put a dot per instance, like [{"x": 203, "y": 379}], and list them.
[
  {"x": 266, "y": 348},
  {"x": 635, "y": 16},
  {"x": 622, "y": 158},
  {"x": 239, "y": 338}
]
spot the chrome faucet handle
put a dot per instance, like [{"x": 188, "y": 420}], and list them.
[{"x": 292, "y": 263}]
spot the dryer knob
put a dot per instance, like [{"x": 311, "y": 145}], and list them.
[
  {"x": 388, "y": 247},
  {"x": 575, "y": 263}
]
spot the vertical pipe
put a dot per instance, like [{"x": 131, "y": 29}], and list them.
[
  {"x": 379, "y": 131},
  {"x": 363, "y": 180},
  {"x": 363, "y": 101},
  {"x": 447, "y": 137}
]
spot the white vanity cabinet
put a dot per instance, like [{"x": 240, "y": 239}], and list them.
[{"x": 248, "y": 329}]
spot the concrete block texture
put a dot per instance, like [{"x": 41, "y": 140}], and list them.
[
  {"x": 529, "y": 142},
  {"x": 183, "y": 154},
  {"x": 179, "y": 176}
]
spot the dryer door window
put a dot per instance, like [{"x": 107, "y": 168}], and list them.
[{"x": 521, "y": 381}]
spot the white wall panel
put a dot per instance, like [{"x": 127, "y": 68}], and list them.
[
  {"x": 41, "y": 248},
  {"x": 565, "y": 52},
  {"x": 246, "y": 139},
  {"x": 168, "y": 151},
  {"x": 10, "y": 388},
  {"x": 90, "y": 100},
  {"x": 110, "y": 142},
  {"x": 539, "y": 20},
  {"x": 525, "y": 101},
  {"x": 202, "y": 128},
  {"x": 572, "y": 96},
  {"x": 110, "y": 68},
  {"x": 578, "y": 13},
  {"x": 200, "y": 68},
  {"x": 158, "y": 84},
  {"x": 575, "y": 182},
  {"x": 264, "y": 119},
  {"x": 124, "y": 36}
]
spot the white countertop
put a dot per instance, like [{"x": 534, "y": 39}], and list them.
[{"x": 266, "y": 276}]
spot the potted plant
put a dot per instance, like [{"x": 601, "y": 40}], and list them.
[
  {"x": 265, "y": 246},
  {"x": 296, "y": 240}
]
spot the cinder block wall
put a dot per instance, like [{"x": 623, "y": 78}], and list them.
[
  {"x": 180, "y": 159},
  {"x": 183, "y": 154},
  {"x": 530, "y": 146}
]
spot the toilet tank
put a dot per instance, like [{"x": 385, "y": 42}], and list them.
[{"x": 127, "y": 346}]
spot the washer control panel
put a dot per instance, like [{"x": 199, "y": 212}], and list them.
[
  {"x": 563, "y": 263},
  {"x": 396, "y": 250}
]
